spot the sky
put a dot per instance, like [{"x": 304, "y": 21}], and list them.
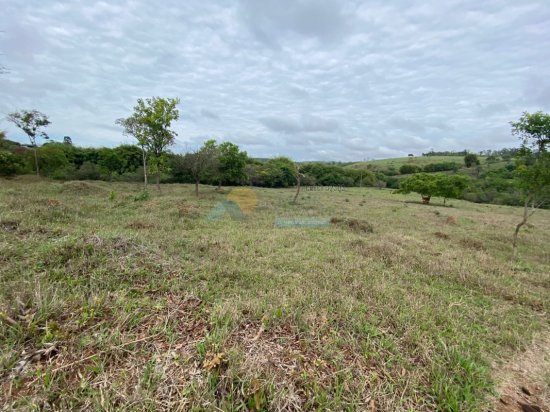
[{"x": 310, "y": 79}]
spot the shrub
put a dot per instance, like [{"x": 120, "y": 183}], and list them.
[
  {"x": 441, "y": 167},
  {"x": 10, "y": 164},
  {"x": 88, "y": 171},
  {"x": 409, "y": 169}
]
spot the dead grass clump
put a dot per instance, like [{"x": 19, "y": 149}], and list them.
[
  {"x": 355, "y": 225},
  {"x": 472, "y": 244},
  {"x": 9, "y": 225},
  {"x": 451, "y": 220},
  {"x": 136, "y": 224},
  {"x": 389, "y": 253},
  {"x": 78, "y": 187},
  {"x": 441, "y": 235},
  {"x": 187, "y": 210}
]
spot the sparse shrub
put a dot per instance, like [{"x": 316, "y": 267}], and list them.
[{"x": 142, "y": 196}]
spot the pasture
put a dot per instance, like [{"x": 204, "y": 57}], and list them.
[{"x": 114, "y": 300}]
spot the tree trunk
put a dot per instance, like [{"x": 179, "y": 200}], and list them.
[
  {"x": 197, "y": 188},
  {"x": 144, "y": 168},
  {"x": 518, "y": 227},
  {"x": 298, "y": 185},
  {"x": 426, "y": 199},
  {"x": 220, "y": 184},
  {"x": 158, "y": 181},
  {"x": 36, "y": 161}
]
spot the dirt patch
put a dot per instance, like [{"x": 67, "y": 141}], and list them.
[
  {"x": 522, "y": 382},
  {"x": 451, "y": 220},
  {"x": 441, "y": 235},
  {"x": 9, "y": 225},
  {"x": 355, "y": 225}
]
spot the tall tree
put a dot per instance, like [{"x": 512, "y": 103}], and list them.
[
  {"x": 203, "y": 162},
  {"x": 150, "y": 125},
  {"x": 31, "y": 122},
  {"x": 532, "y": 165}
]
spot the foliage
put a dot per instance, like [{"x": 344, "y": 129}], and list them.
[
  {"x": 31, "y": 122},
  {"x": 52, "y": 160},
  {"x": 203, "y": 163},
  {"x": 407, "y": 169},
  {"x": 533, "y": 129},
  {"x": 150, "y": 126},
  {"x": 532, "y": 164},
  {"x": 428, "y": 185},
  {"x": 441, "y": 167},
  {"x": 232, "y": 163},
  {"x": 88, "y": 171},
  {"x": 471, "y": 159},
  {"x": 10, "y": 164},
  {"x": 278, "y": 172}
]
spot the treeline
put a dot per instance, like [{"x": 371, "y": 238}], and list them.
[{"x": 214, "y": 164}]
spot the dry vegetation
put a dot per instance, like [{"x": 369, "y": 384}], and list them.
[{"x": 110, "y": 300}]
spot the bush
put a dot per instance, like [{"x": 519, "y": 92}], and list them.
[
  {"x": 409, "y": 169},
  {"x": 10, "y": 164},
  {"x": 441, "y": 167},
  {"x": 88, "y": 171}
]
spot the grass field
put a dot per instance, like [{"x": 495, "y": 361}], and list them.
[{"x": 112, "y": 301}]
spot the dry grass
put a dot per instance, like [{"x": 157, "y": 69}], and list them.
[{"x": 107, "y": 303}]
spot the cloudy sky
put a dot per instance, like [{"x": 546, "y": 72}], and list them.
[{"x": 311, "y": 79}]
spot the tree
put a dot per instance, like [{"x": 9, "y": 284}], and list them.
[
  {"x": 202, "y": 163},
  {"x": 31, "y": 121},
  {"x": 150, "y": 125},
  {"x": 471, "y": 160},
  {"x": 231, "y": 163},
  {"x": 421, "y": 183},
  {"x": 450, "y": 186},
  {"x": 68, "y": 140},
  {"x": 428, "y": 185},
  {"x": 532, "y": 171}
]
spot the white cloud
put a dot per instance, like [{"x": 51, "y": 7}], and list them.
[{"x": 327, "y": 79}]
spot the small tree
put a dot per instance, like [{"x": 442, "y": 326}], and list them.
[
  {"x": 532, "y": 165},
  {"x": 232, "y": 163},
  {"x": 428, "y": 185},
  {"x": 150, "y": 125},
  {"x": 450, "y": 186},
  {"x": 31, "y": 122},
  {"x": 202, "y": 163},
  {"x": 471, "y": 160},
  {"x": 421, "y": 183}
]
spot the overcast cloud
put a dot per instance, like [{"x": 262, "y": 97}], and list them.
[{"x": 310, "y": 79}]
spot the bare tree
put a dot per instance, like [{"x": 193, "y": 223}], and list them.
[{"x": 202, "y": 163}]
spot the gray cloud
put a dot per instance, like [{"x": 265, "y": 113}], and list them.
[{"x": 308, "y": 79}]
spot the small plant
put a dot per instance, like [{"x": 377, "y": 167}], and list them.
[
  {"x": 112, "y": 195},
  {"x": 142, "y": 196}
]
